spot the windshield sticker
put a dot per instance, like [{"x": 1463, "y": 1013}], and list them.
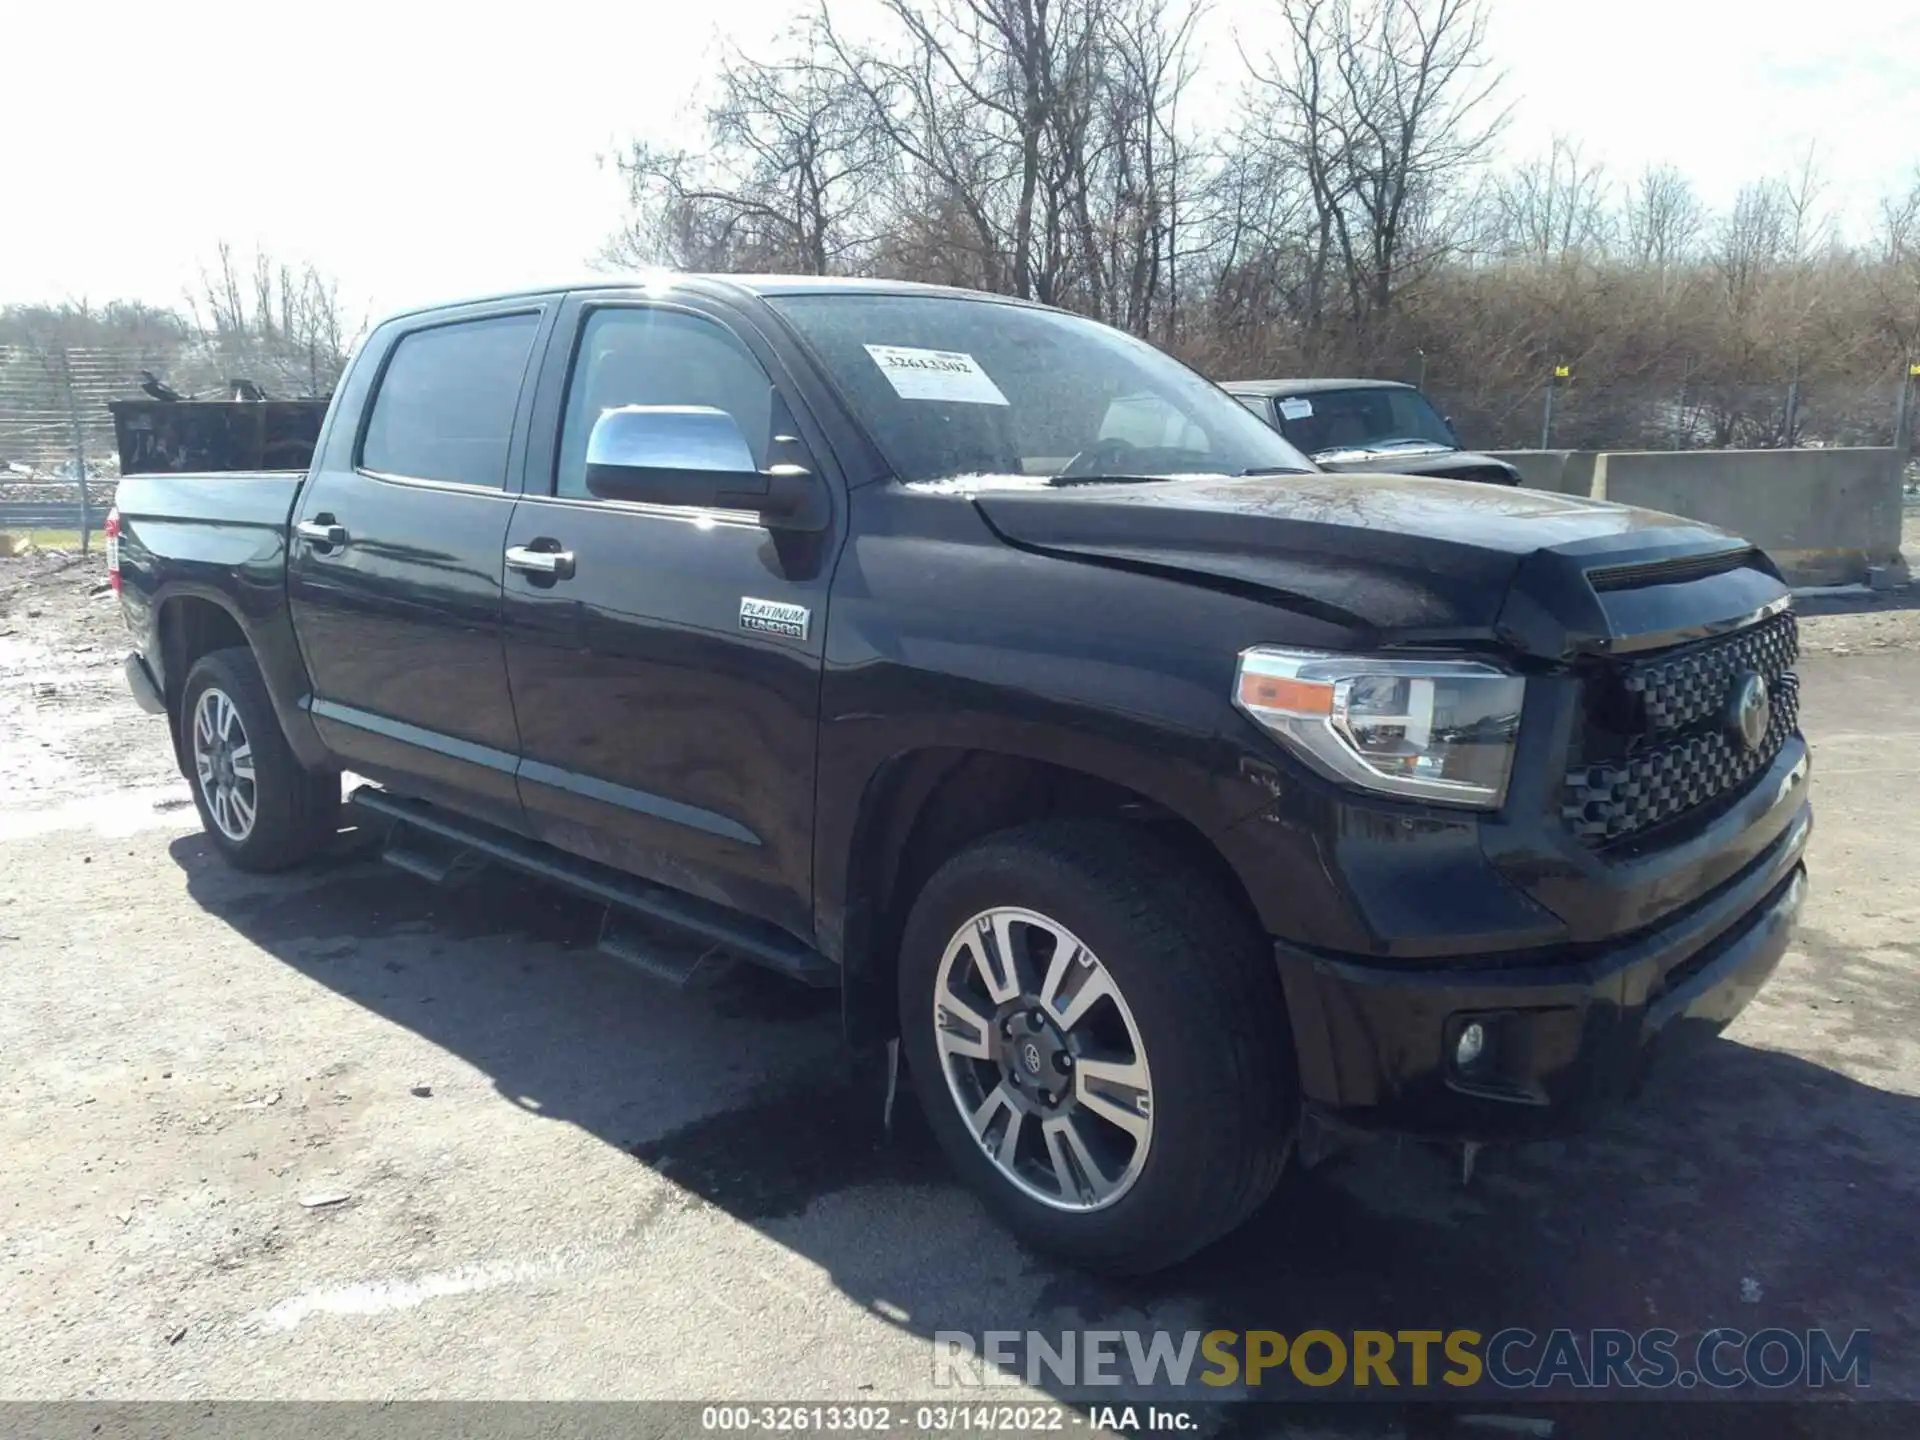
[
  {"x": 935, "y": 375},
  {"x": 1294, "y": 408}
]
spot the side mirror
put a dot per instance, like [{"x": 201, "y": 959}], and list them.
[{"x": 695, "y": 455}]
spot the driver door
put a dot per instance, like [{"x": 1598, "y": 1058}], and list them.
[{"x": 658, "y": 733}]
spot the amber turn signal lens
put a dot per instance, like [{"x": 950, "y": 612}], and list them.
[{"x": 1285, "y": 694}]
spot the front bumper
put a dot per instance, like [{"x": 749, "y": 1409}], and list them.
[{"x": 1562, "y": 1033}]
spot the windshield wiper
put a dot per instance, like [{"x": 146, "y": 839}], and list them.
[
  {"x": 1105, "y": 479},
  {"x": 1131, "y": 479}
]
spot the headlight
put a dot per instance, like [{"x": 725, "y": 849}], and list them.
[{"x": 1440, "y": 730}]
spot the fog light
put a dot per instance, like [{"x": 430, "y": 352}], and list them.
[{"x": 1467, "y": 1049}]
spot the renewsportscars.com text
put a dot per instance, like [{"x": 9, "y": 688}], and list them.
[{"x": 1514, "y": 1359}]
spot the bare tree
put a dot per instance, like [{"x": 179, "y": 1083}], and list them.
[
  {"x": 1269, "y": 252},
  {"x": 1894, "y": 282},
  {"x": 1809, "y": 227},
  {"x": 1664, "y": 219},
  {"x": 1898, "y": 231},
  {"x": 989, "y": 106},
  {"x": 1129, "y": 171},
  {"x": 284, "y": 321},
  {"x": 1752, "y": 238},
  {"x": 786, "y": 182},
  {"x": 1553, "y": 208},
  {"x": 1386, "y": 105}
]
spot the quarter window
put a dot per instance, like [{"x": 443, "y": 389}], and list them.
[{"x": 445, "y": 406}]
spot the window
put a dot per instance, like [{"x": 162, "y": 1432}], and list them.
[
  {"x": 952, "y": 386},
  {"x": 445, "y": 406},
  {"x": 1152, "y": 422},
  {"x": 646, "y": 356},
  {"x": 1380, "y": 417}
]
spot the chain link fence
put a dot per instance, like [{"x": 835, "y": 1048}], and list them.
[
  {"x": 55, "y": 427},
  {"x": 1582, "y": 413}
]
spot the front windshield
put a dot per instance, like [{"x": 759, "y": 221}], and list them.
[
  {"x": 1329, "y": 421},
  {"x": 949, "y": 387}
]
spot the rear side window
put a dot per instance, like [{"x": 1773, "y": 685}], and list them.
[{"x": 445, "y": 406}]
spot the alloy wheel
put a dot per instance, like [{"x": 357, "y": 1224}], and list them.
[
  {"x": 223, "y": 764},
  {"x": 1043, "y": 1058}
]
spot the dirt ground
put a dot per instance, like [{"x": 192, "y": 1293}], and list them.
[{"x": 543, "y": 1175}]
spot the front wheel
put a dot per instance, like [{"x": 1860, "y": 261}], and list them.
[
  {"x": 262, "y": 809},
  {"x": 1098, "y": 1038}
]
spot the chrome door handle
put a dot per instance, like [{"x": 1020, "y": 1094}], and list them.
[
  {"x": 548, "y": 564},
  {"x": 321, "y": 532}
]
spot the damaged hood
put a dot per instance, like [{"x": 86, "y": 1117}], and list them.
[{"x": 1395, "y": 559}]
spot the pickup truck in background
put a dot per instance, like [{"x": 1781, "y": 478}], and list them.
[
  {"x": 1160, "y": 794},
  {"x": 1368, "y": 427}
]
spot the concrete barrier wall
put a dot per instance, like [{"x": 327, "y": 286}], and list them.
[
  {"x": 1565, "y": 472},
  {"x": 1825, "y": 516}
]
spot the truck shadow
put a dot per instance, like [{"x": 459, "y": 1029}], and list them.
[{"x": 1747, "y": 1188}]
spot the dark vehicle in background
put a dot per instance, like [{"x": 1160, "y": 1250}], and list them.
[
  {"x": 1159, "y": 793},
  {"x": 1368, "y": 427}
]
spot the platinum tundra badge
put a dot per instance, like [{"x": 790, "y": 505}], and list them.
[{"x": 774, "y": 617}]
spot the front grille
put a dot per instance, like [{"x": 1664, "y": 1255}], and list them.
[{"x": 1654, "y": 744}]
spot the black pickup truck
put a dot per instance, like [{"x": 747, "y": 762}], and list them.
[{"x": 1164, "y": 797}]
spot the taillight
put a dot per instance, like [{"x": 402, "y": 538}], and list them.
[{"x": 113, "y": 550}]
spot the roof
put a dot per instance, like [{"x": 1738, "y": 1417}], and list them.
[
  {"x": 842, "y": 285},
  {"x": 759, "y": 285},
  {"x": 1306, "y": 387}
]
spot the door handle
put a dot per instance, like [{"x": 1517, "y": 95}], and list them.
[
  {"x": 546, "y": 564},
  {"x": 322, "y": 531}
]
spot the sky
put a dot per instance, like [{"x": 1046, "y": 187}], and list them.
[{"x": 418, "y": 152}]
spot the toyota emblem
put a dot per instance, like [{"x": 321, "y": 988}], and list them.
[
  {"x": 1030, "y": 1056},
  {"x": 1751, "y": 710}
]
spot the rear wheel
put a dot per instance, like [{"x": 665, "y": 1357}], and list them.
[
  {"x": 1099, "y": 1041},
  {"x": 262, "y": 809}
]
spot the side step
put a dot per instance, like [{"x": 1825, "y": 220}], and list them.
[
  {"x": 674, "y": 957},
  {"x": 436, "y": 860},
  {"x": 714, "y": 928}
]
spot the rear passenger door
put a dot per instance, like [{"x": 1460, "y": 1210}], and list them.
[
  {"x": 657, "y": 733},
  {"x": 394, "y": 571}
]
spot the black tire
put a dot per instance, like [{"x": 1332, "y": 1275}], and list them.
[
  {"x": 295, "y": 810},
  {"x": 1199, "y": 980}
]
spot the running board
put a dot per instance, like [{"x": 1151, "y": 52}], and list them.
[{"x": 721, "y": 929}]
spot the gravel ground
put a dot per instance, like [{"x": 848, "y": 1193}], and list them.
[{"x": 545, "y": 1176}]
